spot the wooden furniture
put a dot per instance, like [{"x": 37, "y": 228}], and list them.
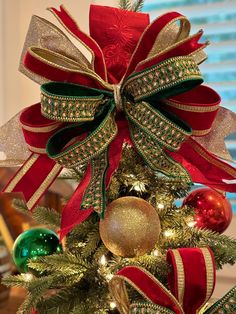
[{"x": 17, "y": 296}]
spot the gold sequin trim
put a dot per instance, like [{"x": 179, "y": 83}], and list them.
[
  {"x": 157, "y": 125},
  {"x": 148, "y": 308},
  {"x": 93, "y": 196},
  {"x": 201, "y": 132},
  {"x": 37, "y": 150},
  {"x": 69, "y": 109},
  {"x": 162, "y": 76},
  {"x": 91, "y": 147}
]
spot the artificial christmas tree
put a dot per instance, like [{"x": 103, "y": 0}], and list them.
[{"x": 126, "y": 124}]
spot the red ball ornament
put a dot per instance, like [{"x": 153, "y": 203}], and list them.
[{"x": 213, "y": 210}]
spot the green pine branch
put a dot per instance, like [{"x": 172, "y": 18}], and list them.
[
  {"x": 93, "y": 239},
  {"x": 137, "y": 6},
  {"x": 41, "y": 215},
  {"x": 20, "y": 206},
  {"x": 16, "y": 281},
  {"x": 66, "y": 263},
  {"x": 125, "y": 5},
  {"x": 47, "y": 216}
]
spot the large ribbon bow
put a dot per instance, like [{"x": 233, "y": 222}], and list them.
[{"x": 143, "y": 85}]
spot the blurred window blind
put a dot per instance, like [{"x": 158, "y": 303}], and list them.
[{"x": 218, "y": 20}]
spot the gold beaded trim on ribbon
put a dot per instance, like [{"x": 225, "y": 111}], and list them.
[
  {"x": 148, "y": 308},
  {"x": 162, "y": 76},
  {"x": 155, "y": 156},
  {"x": 69, "y": 108},
  {"x": 94, "y": 194},
  {"x": 91, "y": 147},
  {"x": 226, "y": 305},
  {"x": 157, "y": 125}
]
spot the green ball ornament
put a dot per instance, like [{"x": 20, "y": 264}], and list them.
[{"x": 32, "y": 244}]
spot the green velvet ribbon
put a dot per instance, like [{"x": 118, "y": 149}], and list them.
[{"x": 92, "y": 112}]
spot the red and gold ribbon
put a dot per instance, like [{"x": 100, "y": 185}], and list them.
[
  {"x": 191, "y": 283},
  {"x": 153, "y": 78},
  {"x": 39, "y": 171}
]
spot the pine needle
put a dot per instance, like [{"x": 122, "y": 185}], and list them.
[
  {"x": 137, "y": 6},
  {"x": 125, "y": 5},
  {"x": 47, "y": 216},
  {"x": 20, "y": 206}
]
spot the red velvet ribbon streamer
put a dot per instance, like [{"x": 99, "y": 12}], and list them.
[
  {"x": 39, "y": 171},
  {"x": 71, "y": 215}
]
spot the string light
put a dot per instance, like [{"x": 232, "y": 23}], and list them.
[
  {"x": 169, "y": 233},
  {"x": 28, "y": 277},
  {"x": 191, "y": 224},
  {"x": 156, "y": 253},
  {"x": 103, "y": 260},
  {"x": 160, "y": 206},
  {"x": 109, "y": 277},
  {"x": 112, "y": 305}
]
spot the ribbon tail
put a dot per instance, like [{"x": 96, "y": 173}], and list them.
[
  {"x": 205, "y": 168},
  {"x": 34, "y": 178},
  {"x": 95, "y": 194},
  {"x": 155, "y": 156},
  {"x": 72, "y": 213}
]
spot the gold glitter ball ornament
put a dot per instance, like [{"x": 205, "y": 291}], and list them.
[{"x": 131, "y": 227}]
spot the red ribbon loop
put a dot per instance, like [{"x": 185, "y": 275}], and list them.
[
  {"x": 39, "y": 171},
  {"x": 191, "y": 282}
]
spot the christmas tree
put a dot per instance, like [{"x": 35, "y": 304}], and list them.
[{"x": 126, "y": 126}]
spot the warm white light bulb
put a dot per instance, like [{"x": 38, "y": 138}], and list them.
[
  {"x": 160, "y": 206},
  {"x": 109, "y": 277},
  {"x": 156, "y": 253},
  {"x": 28, "y": 277},
  {"x": 103, "y": 260},
  {"x": 191, "y": 223},
  {"x": 169, "y": 233},
  {"x": 112, "y": 305}
]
